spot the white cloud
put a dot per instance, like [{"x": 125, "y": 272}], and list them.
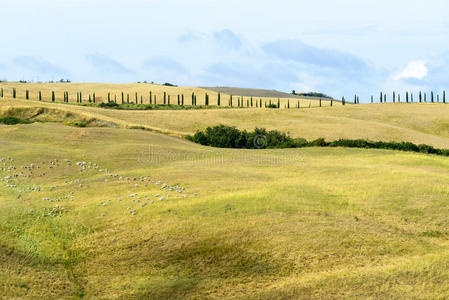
[{"x": 415, "y": 69}]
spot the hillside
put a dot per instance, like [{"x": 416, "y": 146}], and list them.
[
  {"x": 419, "y": 123},
  {"x": 96, "y": 214},
  {"x": 143, "y": 90}
]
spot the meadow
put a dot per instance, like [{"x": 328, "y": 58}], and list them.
[{"x": 123, "y": 213}]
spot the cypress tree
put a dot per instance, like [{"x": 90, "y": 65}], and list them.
[
  {"x": 438, "y": 98},
  {"x": 1, "y": 92},
  {"x": 109, "y": 97},
  {"x": 206, "y": 99},
  {"x": 94, "y": 98},
  {"x": 141, "y": 99},
  {"x": 279, "y": 103},
  {"x": 155, "y": 99},
  {"x": 431, "y": 96},
  {"x": 406, "y": 97},
  {"x": 165, "y": 98},
  {"x": 420, "y": 96},
  {"x": 193, "y": 98},
  {"x": 394, "y": 97},
  {"x": 381, "y": 97},
  {"x": 251, "y": 101},
  {"x": 399, "y": 97},
  {"x": 90, "y": 100},
  {"x": 385, "y": 98},
  {"x": 52, "y": 96},
  {"x": 288, "y": 103},
  {"x": 123, "y": 98},
  {"x": 14, "y": 93},
  {"x": 168, "y": 99},
  {"x": 320, "y": 102},
  {"x": 331, "y": 103},
  {"x": 260, "y": 102},
  {"x": 27, "y": 94},
  {"x": 230, "y": 100},
  {"x": 342, "y": 100},
  {"x": 151, "y": 97},
  {"x": 218, "y": 99},
  {"x": 127, "y": 98},
  {"x": 372, "y": 99},
  {"x": 115, "y": 98},
  {"x": 411, "y": 97},
  {"x": 182, "y": 99},
  {"x": 444, "y": 96},
  {"x": 425, "y": 97},
  {"x": 77, "y": 97},
  {"x": 136, "y": 97},
  {"x": 179, "y": 100}
]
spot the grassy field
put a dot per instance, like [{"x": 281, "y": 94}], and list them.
[
  {"x": 314, "y": 223},
  {"x": 101, "y": 91},
  {"x": 425, "y": 123}
]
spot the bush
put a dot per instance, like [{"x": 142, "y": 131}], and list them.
[
  {"x": 8, "y": 120},
  {"x": 230, "y": 137}
]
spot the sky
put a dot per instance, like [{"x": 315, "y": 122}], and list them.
[{"x": 338, "y": 47}]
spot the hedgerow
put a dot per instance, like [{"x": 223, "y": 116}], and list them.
[{"x": 223, "y": 136}]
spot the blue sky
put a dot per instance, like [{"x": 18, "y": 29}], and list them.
[{"x": 338, "y": 47}]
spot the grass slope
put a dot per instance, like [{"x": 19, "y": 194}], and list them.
[
  {"x": 423, "y": 123},
  {"x": 101, "y": 91},
  {"x": 292, "y": 224}
]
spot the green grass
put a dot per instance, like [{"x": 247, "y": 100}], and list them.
[
  {"x": 313, "y": 223},
  {"x": 12, "y": 121}
]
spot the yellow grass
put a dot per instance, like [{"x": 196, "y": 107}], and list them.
[
  {"x": 425, "y": 123},
  {"x": 101, "y": 91},
  {"x": 309, "y": 223}
]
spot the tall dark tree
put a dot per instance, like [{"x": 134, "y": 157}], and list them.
[
  {"x": 94, "y": 98},
  {"x": 420, "y": 96},
  {"x": 394, "y": 97},
  {"x": 27, "y": 94},
  {"x": 444, "y": 96},
  {"x": 165, "y": 98},
  {"x": 182, "y": 99},
  {"x": 151, "y": 97},
  {"x": 53, "y": 98},
  {"x": 431, "y": 97},
  {"x": 343, "y": 101},
  {"x": 168, "y": 99},
  {"x": 123, "y": 98},
  {"x": 109, "y": 97},
  {"x": 218, "y": 99},
  {"x": 372, "y": 99},
  {"x": 406, "y": 97},
  {"x": 14, "y": 92},
  {"x": 381, "y": 97}
]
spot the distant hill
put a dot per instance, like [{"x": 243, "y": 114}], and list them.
[{"x": 250, "y": 92}]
